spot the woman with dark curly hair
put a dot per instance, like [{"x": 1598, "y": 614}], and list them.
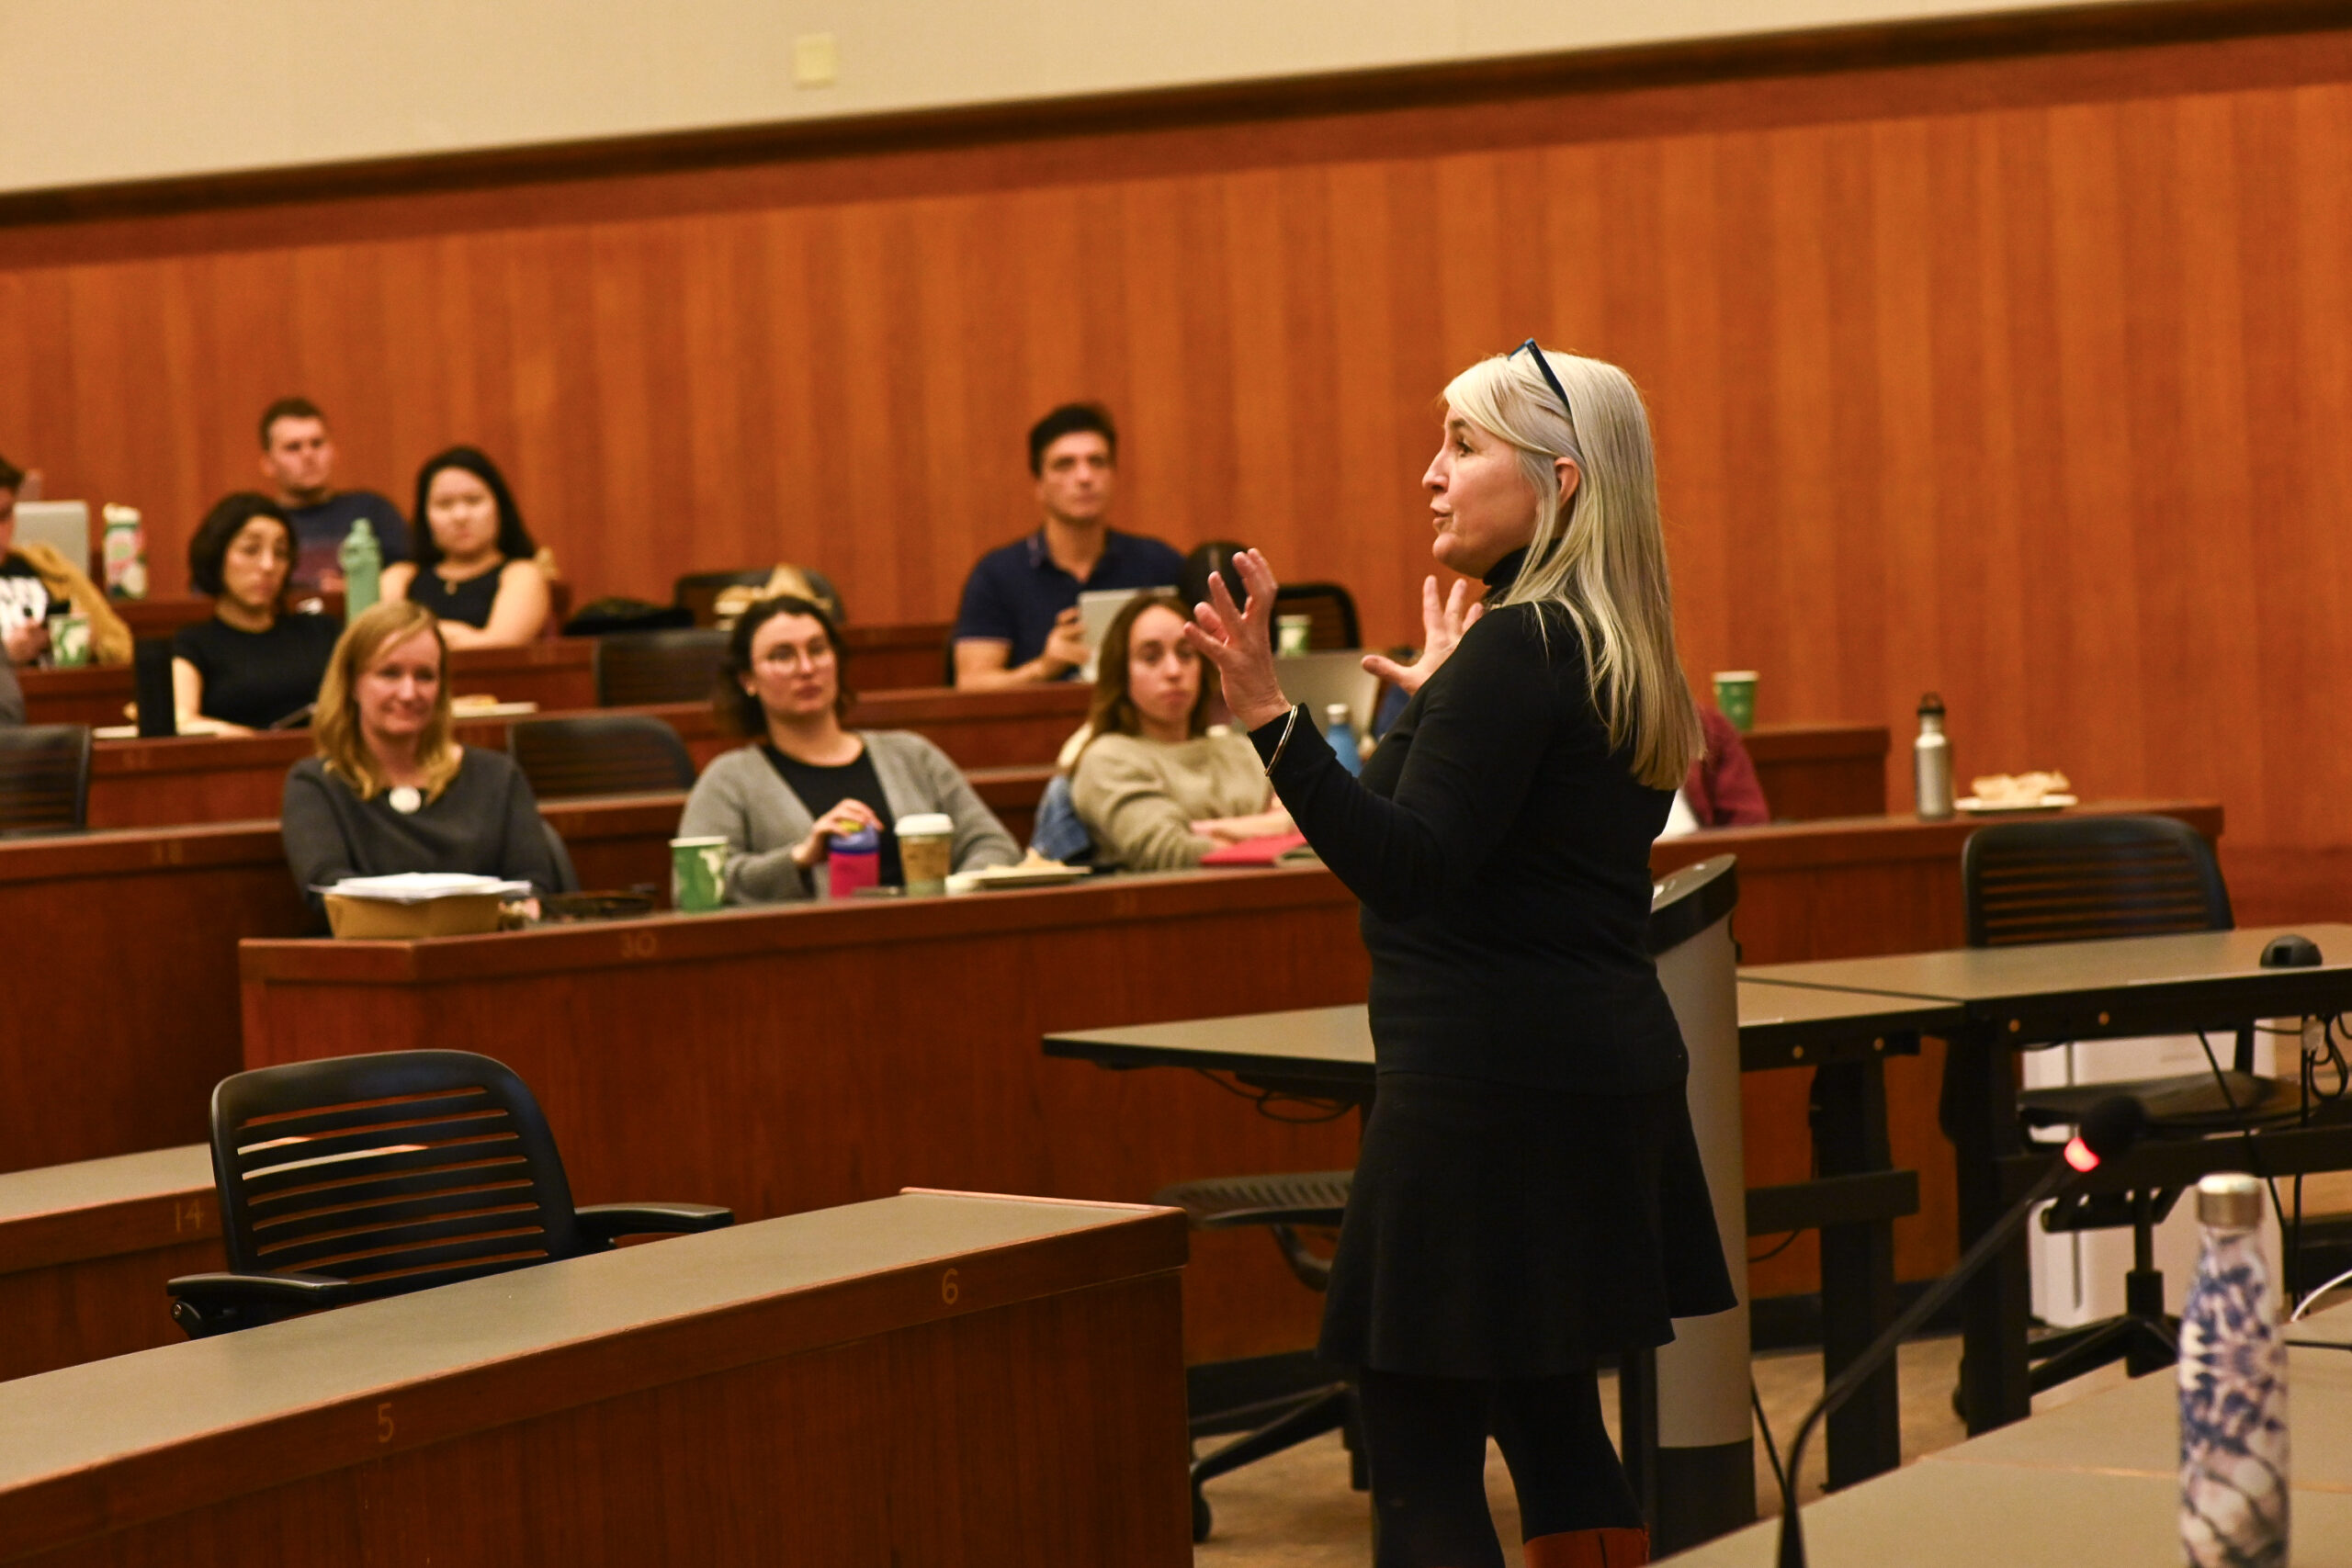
[{"x": 255, "y": 663}]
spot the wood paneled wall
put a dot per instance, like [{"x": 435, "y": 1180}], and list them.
[{"x": 2026, "y": 378}]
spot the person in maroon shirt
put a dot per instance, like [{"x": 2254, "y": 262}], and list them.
[{"x": 1722, "y": 790}]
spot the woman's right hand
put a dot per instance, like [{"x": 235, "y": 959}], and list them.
[
  {"x": 847, "y": 817},
  {"x": 1442, "y": 623},
  {"x": 27, "y": 641}
]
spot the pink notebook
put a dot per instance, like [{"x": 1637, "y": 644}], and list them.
[{"x": 1270, "y": 851}]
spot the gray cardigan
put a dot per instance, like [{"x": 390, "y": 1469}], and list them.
[{"x": 742, "y": 798}]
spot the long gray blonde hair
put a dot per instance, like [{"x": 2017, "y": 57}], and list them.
[{"x": 1600, "y": 557}]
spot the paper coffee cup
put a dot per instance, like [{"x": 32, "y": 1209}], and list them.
[
  {"x": 926, "y": 848},
  {"x": 69, "y": 641},
  {"x": 697, "y": 874},
  {"x": 1735, "y": 695}
]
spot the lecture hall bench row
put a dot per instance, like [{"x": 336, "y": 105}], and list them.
[
  {"x": 850, "y": 1049},
  {"x": 557, "y": 674}
]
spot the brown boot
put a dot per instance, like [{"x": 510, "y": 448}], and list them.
[{"x": 1589, "y": 1548}]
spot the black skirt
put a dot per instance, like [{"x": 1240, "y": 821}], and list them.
[{"x": 1495, "y": 1230}]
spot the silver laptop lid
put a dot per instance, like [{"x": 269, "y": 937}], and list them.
[
  {"x": 64, "y": 525},
  {"x": 1319, "y": 679}
]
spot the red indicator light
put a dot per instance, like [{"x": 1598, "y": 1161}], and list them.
[{"x": 2079, "y": 1155}]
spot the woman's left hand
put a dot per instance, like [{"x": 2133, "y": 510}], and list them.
[{"x": 1240, "y": 642}]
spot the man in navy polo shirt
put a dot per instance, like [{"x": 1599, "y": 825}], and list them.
[
  {"x": 1018, "y": 623},
  {"x": 298, "y": 459}
]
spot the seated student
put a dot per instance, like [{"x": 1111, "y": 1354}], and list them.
[
  {"x": 1018, "y": 623},
  {"x": 252, "y": 664},
  {"x": 298, "y": 459},
  {"x": 1722, "y": 790},
  {"x": 805, "y": 777},
  {"x": 390, "y": 789},
  {"x": 1153, "y": 786},
  {"x": 36, "y": 582},
  {"x": 474, "y": 568}
]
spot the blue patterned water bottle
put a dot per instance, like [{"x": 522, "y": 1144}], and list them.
[{"x": 2233, "y": 1391}]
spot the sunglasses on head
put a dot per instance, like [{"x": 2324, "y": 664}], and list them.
[{"x": 1550, "y": 380}]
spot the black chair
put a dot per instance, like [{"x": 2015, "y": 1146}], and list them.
[
  {"x": 44, "y": 778},
  {"x": 601, "y": 753},
  {"x": 1330, "y": 607},
  {"x": 697, "y": 592},
  {"x": 640, "y": 669},
  {"x": 355, "y": 1178},
  {"x": 2086, "y": 878},
  {"x": 1285, "y": 1204}
]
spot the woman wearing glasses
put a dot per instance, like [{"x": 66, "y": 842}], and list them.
[
  {"x": 1528, "y": 1197},
  {"x": 806, "y": 777}
]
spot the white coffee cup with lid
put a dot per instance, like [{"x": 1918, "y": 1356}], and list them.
[{"x": 926, "y": 851}]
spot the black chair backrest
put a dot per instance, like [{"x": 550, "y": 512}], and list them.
[
  {"x": 636, "y": 669},
  {"x": 151, "y": 687},
  {"x": 44, "y": 778},
  {"x": 2079, "y": 879},
  {"x": 697, "y": 592},
  {"x": 1331, "y": 607},
  {"x": 395, "y": 1171},
  {"x": 601, "y": 753}
]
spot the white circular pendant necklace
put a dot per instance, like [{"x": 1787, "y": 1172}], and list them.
[{"x": 405, "y": 799}]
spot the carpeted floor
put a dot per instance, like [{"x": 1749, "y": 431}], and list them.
[{"x": 1295, "y": 1510}]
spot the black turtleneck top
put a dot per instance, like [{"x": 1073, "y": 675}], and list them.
[{"x": 1501, "y": 852}]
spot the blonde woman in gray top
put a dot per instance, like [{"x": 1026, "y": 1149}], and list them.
[
  {"x": 806, "y": 776},
  {"x": 1156, "y": 790}
]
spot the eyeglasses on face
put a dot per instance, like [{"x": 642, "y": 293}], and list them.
[{"x": 1550, "y": 379}]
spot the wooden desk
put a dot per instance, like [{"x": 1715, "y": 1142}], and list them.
[
  {"x": 781, "y": 1060},
  {"x": 555, "y": 675},
  {"x": 888, "y": 657},
  {"x": 933, "y": 1378},
  {"x": 1813, "y": 770},
  {"x": 85, "y": 1250},
  {"x": 136, "y": 783}
]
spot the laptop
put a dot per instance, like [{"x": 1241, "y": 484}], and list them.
[
  {"x": 62, "y": 524},
  {"x": 1319, "y": 679}
]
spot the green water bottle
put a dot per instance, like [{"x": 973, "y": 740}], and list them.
[{"x": 362, "y": 560}]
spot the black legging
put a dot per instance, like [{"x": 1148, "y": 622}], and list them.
[{"x": 1426, "y": 1438}]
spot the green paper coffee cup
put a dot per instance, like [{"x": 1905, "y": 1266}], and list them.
[
  {"x": 69, "y": 641},
  {"x": 697, "y": 873},
  {"x": 1735, "y": 695}
]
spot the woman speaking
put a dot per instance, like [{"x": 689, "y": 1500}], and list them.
[{"x": 1528, "y": 1197}]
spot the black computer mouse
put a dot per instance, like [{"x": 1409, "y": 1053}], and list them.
[{"x": 2290, "y": 951}]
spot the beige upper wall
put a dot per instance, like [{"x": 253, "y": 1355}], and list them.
[{"x": 106, "y": 90}]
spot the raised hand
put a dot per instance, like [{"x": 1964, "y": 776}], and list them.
[
  {"x": 1442, "y": 623},
  {"x": 1240, "y": 642}
]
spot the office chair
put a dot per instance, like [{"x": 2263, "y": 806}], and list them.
[
  {"x": 44, "y": 778},
  {"x": 1284, "y": 1204},
  {"x": 1330, "y": 607},
  {"x": 639, "y": 669},
  {"x": 2081, "y": 879},
  {"x": 603, "y": 754},
  {"x": 356, "y": 1177}
]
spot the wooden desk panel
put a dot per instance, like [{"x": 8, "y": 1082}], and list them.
[
  {"x": 1856, "y": 888},
  {"x": 122, "y": 994},
  {"x": 136, "y": 783},
  {"x": 782, "y": 1060},
  {"x": 555, "y": 675},
  {"x": 936, "y": 1379},
  {"x": 1815, "y": 771},
  {"x": 891, "y": 658},
  {"x": 85, "y": 1250}
]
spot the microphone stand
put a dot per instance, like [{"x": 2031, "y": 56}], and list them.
[{"x": 1858, "y": 1371}]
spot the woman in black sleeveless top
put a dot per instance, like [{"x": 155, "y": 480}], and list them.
[
  {"x": 476, "y": 565},
  {"x": 1529, "y": 1198}
]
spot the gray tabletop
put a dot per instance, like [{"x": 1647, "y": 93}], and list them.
[
  {"x": 2092, "y": 1482},
  {"x": 1779, "y": 1025}
]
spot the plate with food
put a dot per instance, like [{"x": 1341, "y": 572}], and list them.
[
  {"x": 2008, "y": 794},
  {"x": 1037, "y": 871}
]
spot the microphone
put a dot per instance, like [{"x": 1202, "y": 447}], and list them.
[{"x": 2109, "y": 1129}]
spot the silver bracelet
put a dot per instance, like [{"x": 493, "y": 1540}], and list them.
[{"x": 1289, "y": 723}]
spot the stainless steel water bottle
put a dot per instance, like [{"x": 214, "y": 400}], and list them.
[{"x": 1931, "y": 762}]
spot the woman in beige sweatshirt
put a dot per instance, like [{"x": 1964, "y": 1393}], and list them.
[{"x": 1154, "y": 787}]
